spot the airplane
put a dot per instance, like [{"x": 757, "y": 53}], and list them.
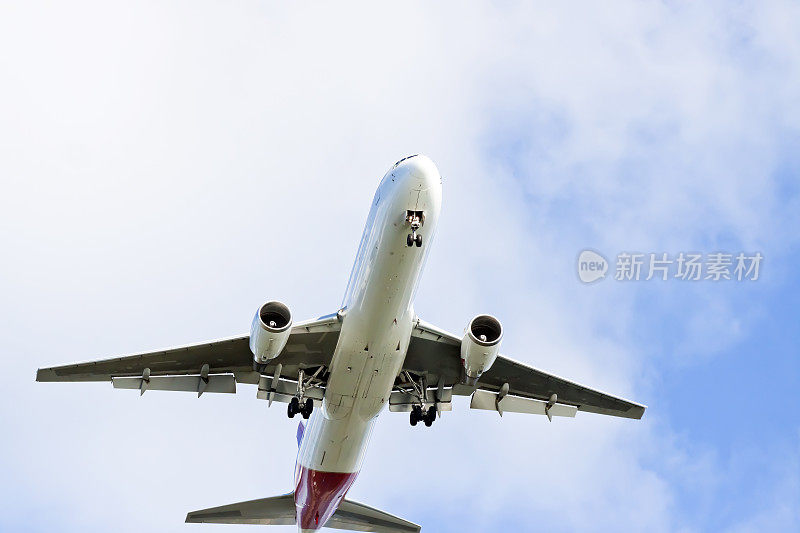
[{"x": 341, "y": 370}]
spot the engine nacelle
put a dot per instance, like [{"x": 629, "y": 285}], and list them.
[
  {"x": 270, "y": 331},
  {"x": 480, "y": 346}
]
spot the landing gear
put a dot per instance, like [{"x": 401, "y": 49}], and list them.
[
  {"x": 299, "y": 404},
  {"x": 294, "y": 408},
  {"x": 414, "y": 218},
  {"x": 419, "y": 415},
  {"x": 420, "y": 393}
]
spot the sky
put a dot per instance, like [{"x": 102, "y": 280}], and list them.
[{"x": 167, "y": 167}]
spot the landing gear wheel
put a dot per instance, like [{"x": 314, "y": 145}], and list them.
[
  {"x": 416, "y": 415},
  {"x": 294, "y": 407},
  {"x": 418, "y": 240},
  {"x": 307, "y": 408},
  {"x": 410, "y": 240},
  {"x": 430, "y": 416}
]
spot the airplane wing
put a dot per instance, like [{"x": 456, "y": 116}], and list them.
[
  {"x": 436, "y": 354},
  {"x": 310, "y": 345}
]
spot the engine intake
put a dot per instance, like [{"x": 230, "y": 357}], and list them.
[
  {"x": 480, "y": 346},
  {"x": 270, "y": 331}
]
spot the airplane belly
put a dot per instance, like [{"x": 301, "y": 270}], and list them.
[
  {"x": 367, "y": 360},
  {"x": 363, "y": 370}
]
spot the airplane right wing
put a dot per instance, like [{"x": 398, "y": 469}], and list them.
[{"x": 435, "y": 354}]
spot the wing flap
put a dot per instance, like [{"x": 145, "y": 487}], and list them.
[
  {"x": 220, "y": 384},
  {"x": 514, "y": 404},
  {"x": 402, "y": 402}
]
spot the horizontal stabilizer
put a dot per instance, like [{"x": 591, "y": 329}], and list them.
[
  {"x": 280, "y": 510},
  {"x": 275, "y": 511},
  {"x": 354, "y": 516}
]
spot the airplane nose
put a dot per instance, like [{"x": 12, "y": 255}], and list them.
[{"x": 421, "y": 171}]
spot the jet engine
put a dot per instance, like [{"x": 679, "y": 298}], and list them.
[
  {"x": 480, "y": 346},
  {"x": 270, "y": 331}
]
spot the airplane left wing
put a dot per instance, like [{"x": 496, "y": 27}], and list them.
[
  {"x": 435, "y": 354},
  {"x": 310, "y": 345}
]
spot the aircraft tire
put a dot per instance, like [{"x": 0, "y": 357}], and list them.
[
  {"x": 293, "y": 407},
  {"x": 431, "y": 414},
  {"x": 416, "y": 415},
  {"x": 307, "y": 408}
]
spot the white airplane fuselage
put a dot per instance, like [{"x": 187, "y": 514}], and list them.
[{"x": 376, "y": 329}]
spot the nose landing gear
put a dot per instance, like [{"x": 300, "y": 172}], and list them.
[{"x": 415, "y": 219}]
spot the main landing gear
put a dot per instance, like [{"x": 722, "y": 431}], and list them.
[
  {"x": 420, "y": 393},
  {"x": 300, "y": 404},
  {"x": 415, "y": 219},
  {"x": 420, "y": 415}
]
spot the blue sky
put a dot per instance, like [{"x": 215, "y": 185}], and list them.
[{"x": 170, "y": 166}]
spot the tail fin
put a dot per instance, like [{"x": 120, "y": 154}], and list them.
[{"x": 280, "y": 510}]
